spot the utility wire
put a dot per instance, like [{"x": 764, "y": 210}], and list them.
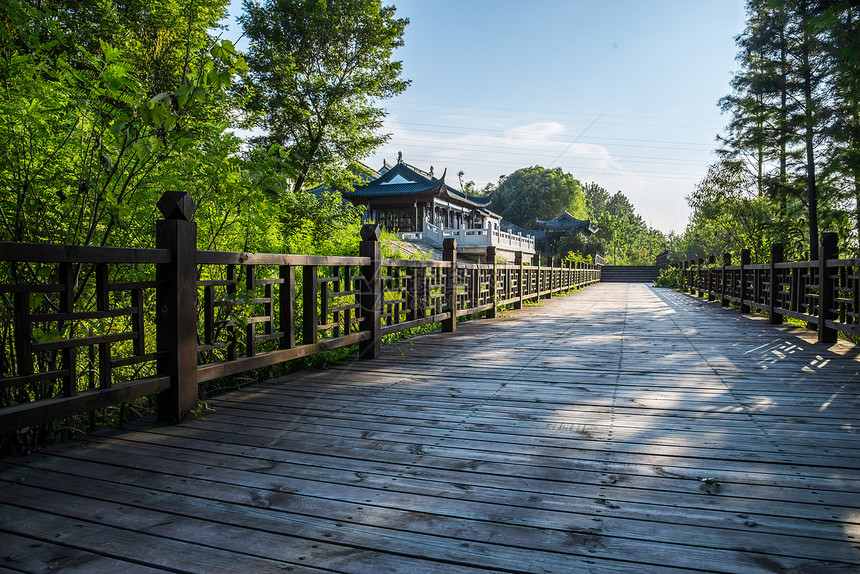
[{"x": 576, "y": 139}]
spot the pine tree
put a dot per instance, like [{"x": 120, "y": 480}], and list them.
[
  {"x": 780, "y": 106},
  {"x": 842, "y": 17}
]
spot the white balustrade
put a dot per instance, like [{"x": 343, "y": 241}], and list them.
[{"x": 477, "y": 237}]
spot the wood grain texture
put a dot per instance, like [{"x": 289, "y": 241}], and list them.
[{"x": 624, "y": 428}]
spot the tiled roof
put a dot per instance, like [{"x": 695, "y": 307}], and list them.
[
  {"x": 564, "y": 221},
  {"x": 393, "y": 190},
  {"x": 405, "y": 180},
  {"x": 476, "y": 200}
]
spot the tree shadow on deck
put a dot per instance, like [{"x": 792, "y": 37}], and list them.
[{"x": 599, "y": 432}]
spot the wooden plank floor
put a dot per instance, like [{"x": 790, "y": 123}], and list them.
[{"x": 621, "y": 429}]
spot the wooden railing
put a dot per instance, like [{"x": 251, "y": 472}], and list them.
[
  {"x": 92, "y": 327},
  {"x": 824, "y": 294}
]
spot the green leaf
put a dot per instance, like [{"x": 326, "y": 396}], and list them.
[
  {"x": 111, "y": 54},
  {"x": 183, "y": 94}
]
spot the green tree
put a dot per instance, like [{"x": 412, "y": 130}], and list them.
[
  {"x": 781, "y": 107},
  {"x": 471, "y": 188},
  {"x": 90, "y": 140},
  {"x": 622, "y": 235},
  {"x": 317, "y": 69},
  {"x": 728, "y": 215},
  {"x": 596, "y": 200},
  {"x": 535, "y": 192},
  {"x": 843, "y": 162}
]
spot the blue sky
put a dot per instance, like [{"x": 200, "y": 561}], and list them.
[{"x": 620, "y": 92}]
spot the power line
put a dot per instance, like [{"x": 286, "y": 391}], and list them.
[
  {"x": 553, "y": 112},
  {"x": 508, "y": 151},
  {"x": 467, "y": 130},
  {"x": 576, "y": 139},
  {"x": 463, "y": 163}
]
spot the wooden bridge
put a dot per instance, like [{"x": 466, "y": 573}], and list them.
[{"x": 624, "y": 428}]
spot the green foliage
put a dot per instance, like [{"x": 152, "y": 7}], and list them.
[
  {"x": 103, "y": 108},
  {"x": 790, "y": 164},
  {"x": 91, "y": 141},
  {"x": 316, "y": 69},
  {"x": 729, "y": 216},
  {"x": 538, "y": 193},
  {"x": 623, "y": 236},
  {"x": 535, "y": 192},
  {"x": 324, "y": 224},
  {"x": 670, "y": 277},
  {"x": 577, "y": 257},
  {"x": 469, "y": 187}
]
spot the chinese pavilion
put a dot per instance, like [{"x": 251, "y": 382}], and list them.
[
  {"x": 422, "y": 208},
  {"x": 559, "y": 226},
  {"x": 403, "y": 197}
]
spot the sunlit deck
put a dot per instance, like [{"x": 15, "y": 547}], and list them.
[{"x": 620, "y": 429}]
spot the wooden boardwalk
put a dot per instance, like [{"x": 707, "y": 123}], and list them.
[{"x": 621, "y": 429}]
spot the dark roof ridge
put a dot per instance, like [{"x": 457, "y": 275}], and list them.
[
  {"x": 407, "y": 172},
  {"x": 561, "y": 218}
]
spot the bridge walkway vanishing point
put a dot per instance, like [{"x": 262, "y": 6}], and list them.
[{"x": 624, "y": 428}]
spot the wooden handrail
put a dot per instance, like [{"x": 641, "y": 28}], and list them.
[
  {"x": 166, "y": 319},
  {"x": 825, "y": 294}
]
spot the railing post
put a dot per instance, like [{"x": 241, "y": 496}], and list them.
[
  {"x": 724, "y": 294},
  {"x": 568, "y": 276},
  {"x": 692, "y": 277},
  {"x": 777, "y": 254},
  {"x": 536, "y": 263},
  {"x": 745, "y": 260},
  {"x": 310, "y": 319},
  {"x": 701, "y": 286},
  {"x": 796, "y": 296},
  {"x": 371, "y": 291},
  {"x": 518, "y": 261},
  {"x": 559, "y": 274},
  {"x": 287, "y": 304},
  {"x": 550, "y": 284},
  {"x": 176, "y": 304},
  {"x": 449, "y": 253},
  {"x": 829, "y": 250},
  {"x": 712, "y": 260},
  {"x": 494, "y": 285}
]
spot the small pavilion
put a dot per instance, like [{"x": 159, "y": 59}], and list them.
[
  {"x": 403, "y": 197},
  {"x": 559, "y": 226}
]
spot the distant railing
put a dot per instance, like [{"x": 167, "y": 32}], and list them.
[
  {"x": 471, "y": 237},
  {"x": 93, "y": 327},
  {"x": 825, "y": 294}
]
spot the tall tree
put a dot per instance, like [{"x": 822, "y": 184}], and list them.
[
  {"x": 780, "y": 106},
  {"x": 728, "y": 215},
  {"x": 91, "y": 134},
  {"x": 843, "y": 18},
  {"x": 596, "y": 200},
  {"x": 536, "y": 192},
  {"x": 317, "y": 69}
]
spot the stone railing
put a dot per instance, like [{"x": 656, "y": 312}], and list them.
[{"x": 435, "y": 235}]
